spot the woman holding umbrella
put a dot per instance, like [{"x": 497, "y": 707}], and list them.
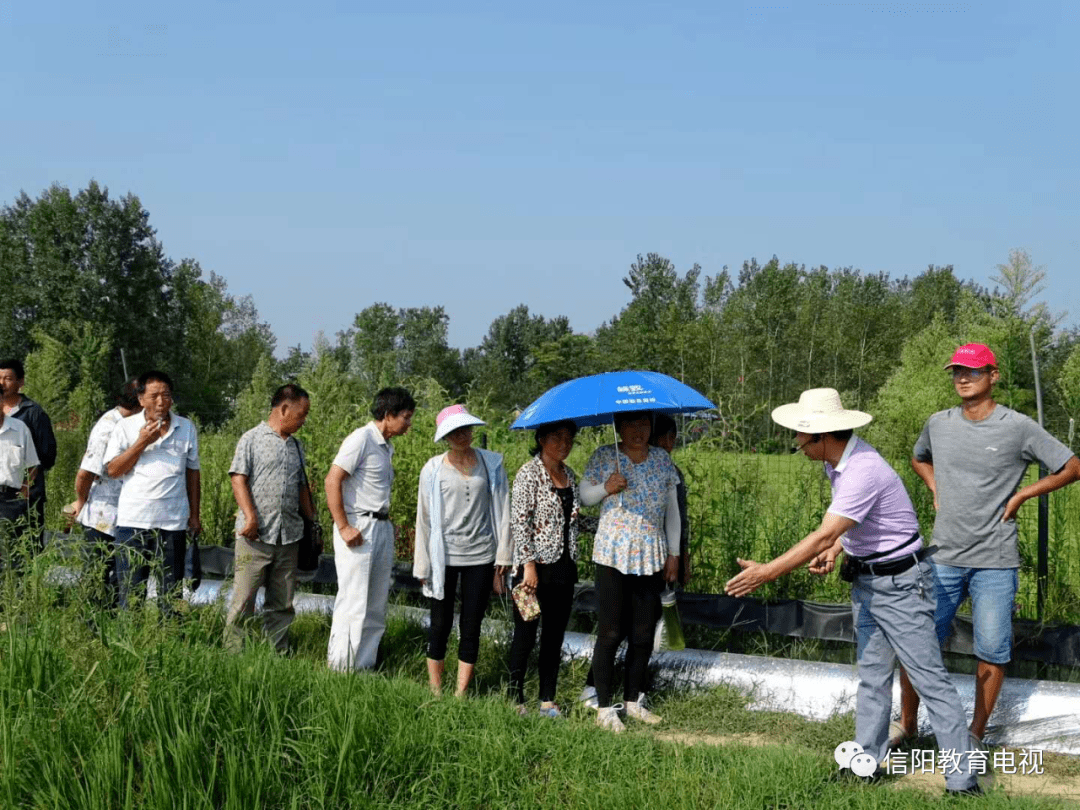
[
  {"x": 544, "y": 527},
  {"x": 636, "y": 550},
  {"x": 462, "y": 533}
]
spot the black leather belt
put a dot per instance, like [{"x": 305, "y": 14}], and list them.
[
  {"x": 376, "y": 515},
  {"x": 10, "y": 493},
  {"x": 890, "y": 568}
]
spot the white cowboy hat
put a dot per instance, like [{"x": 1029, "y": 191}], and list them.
[
  {"x": 819, "y": 411},
  {"x": 453, "y": 417}
]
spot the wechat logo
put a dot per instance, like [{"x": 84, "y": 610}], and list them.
[{"x": 851, "y": 755}]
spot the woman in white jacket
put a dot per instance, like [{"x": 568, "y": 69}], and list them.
[{"x": 462, "y": 533}]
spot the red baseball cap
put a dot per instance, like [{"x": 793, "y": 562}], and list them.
[{"x": 972, "y": 355}]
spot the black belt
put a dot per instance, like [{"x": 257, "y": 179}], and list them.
[
  {"x": 10, "y": 493},
  {"x": 376, "y": 515},
  {"x": 885, "y": 569}
]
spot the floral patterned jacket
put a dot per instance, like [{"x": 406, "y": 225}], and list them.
[{"x": 536, "y": 515}]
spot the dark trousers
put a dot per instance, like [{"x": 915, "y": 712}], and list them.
[
  {"x": 627, "y": 606},
  {"x": 37, "y": 522},
  {"x": 100, "y": 547},
  {"x": 476, "y": 583},
  {"x": 13, "y": 525},
  {"x": 556, "y": 601},
  {"x": 138, "y": 549}
]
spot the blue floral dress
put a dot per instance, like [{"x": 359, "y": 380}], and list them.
[{"x": 631, "y": 535}]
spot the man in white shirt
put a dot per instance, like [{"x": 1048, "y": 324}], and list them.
[
  {"x": 358, "y": 497},
  {"x": 96, "y": 494},
  {"x": 156, "y": 454},
  {"x": 21, "y": 407},
  {"x": 18, "y": 465}
]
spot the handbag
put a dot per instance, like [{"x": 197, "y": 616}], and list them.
[
  {"x": 527, "y": 603},
  {"x": 311, "y": 545},
  {"x": 311, "y": 541}
]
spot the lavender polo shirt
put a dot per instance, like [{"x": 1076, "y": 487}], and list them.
[{"x": 867, "y": 490}]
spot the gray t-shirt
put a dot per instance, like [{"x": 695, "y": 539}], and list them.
[
  {"x": 977, "y": 468},
  {"x": 466, "y": 509}
]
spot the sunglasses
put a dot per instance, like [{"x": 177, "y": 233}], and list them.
[{"x": 971, "y": 373}]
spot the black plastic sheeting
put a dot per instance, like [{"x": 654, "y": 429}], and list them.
[{"x": 1049, "y": 644}]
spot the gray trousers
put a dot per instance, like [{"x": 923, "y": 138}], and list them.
[
  {"x": 894, "y": 618},
  {"x": 258, "y": 564}
]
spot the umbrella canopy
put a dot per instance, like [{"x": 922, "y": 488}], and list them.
[{"x": 592, "y": 401}]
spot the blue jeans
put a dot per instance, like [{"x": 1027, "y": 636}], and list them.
[
  {"x": 138, "y": 549},
  {"x": 993, "y": 594}
]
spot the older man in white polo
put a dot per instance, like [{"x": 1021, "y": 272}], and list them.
[
  {"x": 358, "y": 499},
  {"x": 872, "y": 521},
  {"x": 18, "y": 465}
]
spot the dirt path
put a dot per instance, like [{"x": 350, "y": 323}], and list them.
[{"x": 1028, "y": 785}]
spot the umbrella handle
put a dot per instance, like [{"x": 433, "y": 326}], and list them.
[{"x": 616, "y": 435}]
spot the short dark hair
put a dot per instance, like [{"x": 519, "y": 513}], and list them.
[
  {"x": 662, "y": 426},
  {"x": 545, "y": 430},
  {"x": 153, "y": 375},
  {"x": 622, "y": 417},
  {"x": 289, "y": 392},
  {"x": 392, "y": 401},
  {"x": 127, "y": 397},
  {"x": 842, "y": 435},
  {"x": 16, "y": 366}
]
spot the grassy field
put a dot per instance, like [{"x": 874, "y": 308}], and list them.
[
  {"x": 139, "y": 711},
  {"x": 746, "y": 505}
]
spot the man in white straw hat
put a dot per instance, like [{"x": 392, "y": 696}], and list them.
[{"x": 872, "y": 521}]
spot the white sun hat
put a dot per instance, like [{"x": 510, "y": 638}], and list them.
[
  {"x": 453, "y": 417},
  {"x": 819, "y": 411}
]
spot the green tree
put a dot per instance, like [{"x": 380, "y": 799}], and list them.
[
  {"x": 566, "y": 358},
  {"x": 222, "y": 342},
  {"x": 65, "y": 371},
  {"x": 1068, "y": 384},
  {"x": 653, "y": 331},
  {"x": 422, "y": 349},
  {"x": 85, "y": 257},
  {"x": 374, "y": 342},
  {"x": 50, "y": 375},
  {"x": 499, "y": 368}
]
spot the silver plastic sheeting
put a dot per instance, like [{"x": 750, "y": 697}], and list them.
[{"x": 1029, "y": 714}]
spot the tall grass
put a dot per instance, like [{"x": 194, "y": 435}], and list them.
[
  {"x": 748, "y": 505},
  {"x": 141, "y": 710}
]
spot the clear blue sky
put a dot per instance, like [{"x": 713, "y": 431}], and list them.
[{"x": 325, "y": 156}]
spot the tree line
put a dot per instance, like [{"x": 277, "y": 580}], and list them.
[{"x": 94, "y": 297}]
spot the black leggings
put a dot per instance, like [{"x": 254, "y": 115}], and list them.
[
  {"x": 556, "y": 600},
  {"x": 475, "y": 589},
  {"x": 627, "y": 606}
]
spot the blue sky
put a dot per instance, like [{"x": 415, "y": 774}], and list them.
[{"x": 322, "y": 157}]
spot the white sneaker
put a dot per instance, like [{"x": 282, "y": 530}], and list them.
[
  {"x": 608, "y": 718},
  {"x": 637, "y": 710},
  {"x": 589, "y": 698}
]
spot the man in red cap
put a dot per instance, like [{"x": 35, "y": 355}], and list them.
[{"x": 973, "y": 458}]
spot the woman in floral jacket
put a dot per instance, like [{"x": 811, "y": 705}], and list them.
[{"x": 543, "y": 528}]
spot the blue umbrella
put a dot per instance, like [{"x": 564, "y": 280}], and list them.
[{"x": 592, "y": 401}]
